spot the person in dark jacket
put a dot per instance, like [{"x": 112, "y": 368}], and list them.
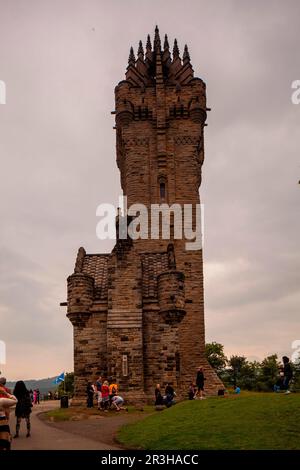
[
  {"x": 169, "y": 396},
  {"x": 159, "y": 401},
  {"x": 90, "y": 395},
  {"x": 288, "y": 373},
  {"x": 23, "y": 407},
  {"x": 200, "y": 383}
]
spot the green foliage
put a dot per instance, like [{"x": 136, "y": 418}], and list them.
[
  {"x": 67, "y": 387},
  {"x": 296, "y": 379},
  {"x": 259, "y": 376},
  {"x": 214, "y": 353},
  {"x": 269, "y": 371}
]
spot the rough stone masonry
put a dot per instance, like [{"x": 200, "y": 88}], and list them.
[{"x": 138, "y": 312}]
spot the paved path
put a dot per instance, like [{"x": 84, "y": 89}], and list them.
[{"x": 46, "y": 437}]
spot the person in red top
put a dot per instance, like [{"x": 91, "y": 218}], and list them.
[
  {"x": 105, "y": 395},
  {"x": 3, "y": 392}
]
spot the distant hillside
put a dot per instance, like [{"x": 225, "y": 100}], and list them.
[{"x": 44, "y": 385}]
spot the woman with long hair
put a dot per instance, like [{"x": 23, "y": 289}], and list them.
[{"x": 23, "y": 408}]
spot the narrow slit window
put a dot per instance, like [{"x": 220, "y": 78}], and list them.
[
  {"x": 125, "y": 365},
  {"x": 162, "y": 190}
]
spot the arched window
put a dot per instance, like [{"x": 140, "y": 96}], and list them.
[
  {"x": 162, "y": 187},
  {"x": 162, "y": 190}
]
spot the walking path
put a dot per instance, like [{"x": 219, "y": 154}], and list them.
[{"x": 48, "y": 437}]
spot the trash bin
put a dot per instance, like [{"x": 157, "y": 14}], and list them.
[{"x": 64, "y": 401}]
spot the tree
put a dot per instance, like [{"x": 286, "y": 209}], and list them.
[
  {"x": 296, "y": 375},
  {"x": 67, "y": 387},
  {"x": 236, "y": 365},
  {"x": 214, "y": 353},
  {"x": 268, "y": 372}
]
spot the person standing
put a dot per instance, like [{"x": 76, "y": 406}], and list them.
[
  {"x": 288, "y": 373},
  {"x": 90, "y": 395},
  {"x": 98, "y": 391},
  {"x": 200, "y": 383},
  {"x": 105, "y": 396},
  {"x": 3, "y": 394},
  {"x": 113, "y": 390},
  {"x": 159, "y": 401},
  {"x": 23, "y": 408},
  {"x": 6, "y": 400},
  {"x": 38, "y": 396}
]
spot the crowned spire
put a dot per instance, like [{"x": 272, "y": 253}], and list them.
[
  {"x": 131, "y": 58},
  {"x": 141, "y": 51},
  {"x": 175, "y": 50},
  {"x": 166, "y": 43},
  {"x": 186, "y": 55},
  {"x": 157, "y": 43},
  {"x": 148, "y": 43}
]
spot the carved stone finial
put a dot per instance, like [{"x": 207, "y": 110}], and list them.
[{"x": 79, "y": 260}]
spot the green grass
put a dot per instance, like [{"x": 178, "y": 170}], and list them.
[
  {"x": 81, "y": 413},
  {"x": 58, "y": 414},
  {"x": 247, "y": 421}
]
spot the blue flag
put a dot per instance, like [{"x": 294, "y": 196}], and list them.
[{"x": 59, "y": 379}]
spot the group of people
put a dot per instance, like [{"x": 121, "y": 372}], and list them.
[
  {"x": 21, "y": 399},
  {"x": 106, "y": 394},
  {"x": 35, "y": 396},
  {"x": 168, "y": 397}
]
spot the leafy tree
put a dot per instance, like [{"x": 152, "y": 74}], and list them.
[
  {"x": 214, "y": 353},
  {"x": 296, "y": 378},
  {"x": 269, "y": 372},
  {"x": 248, "y": 375},
  {"x": 67, "y": 387},
  {"x": 236, "y": 366}
]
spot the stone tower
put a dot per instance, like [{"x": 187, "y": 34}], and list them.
[{"x": 138, "y": 312}]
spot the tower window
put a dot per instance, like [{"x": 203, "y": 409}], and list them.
[
  {"x": 162, "y": 190},
  {"x": 125, "y": 365}
]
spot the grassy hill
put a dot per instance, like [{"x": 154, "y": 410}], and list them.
[
  {"x": 44, "y": 385},
  {"x": 247, "y": 421}
]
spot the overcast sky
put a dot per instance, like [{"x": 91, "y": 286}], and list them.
[{"x": 60, "y": 61}]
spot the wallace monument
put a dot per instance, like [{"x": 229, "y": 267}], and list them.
[{"x": 138, "y": 312}]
